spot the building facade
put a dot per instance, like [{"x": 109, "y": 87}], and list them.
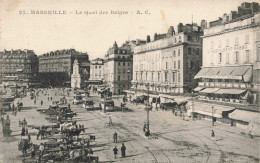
[
  {"x": 118, "y": 67},
  {"x": 169, "y": 62},
  {"x": 97, "y": 69},
  {"x": 231, "y": 57},
  {"x": 56, "y": 67},
  {"x": 18, "y": 67}
]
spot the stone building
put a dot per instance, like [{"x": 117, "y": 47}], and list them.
[
  {"x": 231, "y": 57},
  {"x": 118, "y": 67},
  {"x": 18, "y": 67},
  {"x": 97, "y": 70},
  {"x": 169, "y": 63},
  {"x": 55, "y": 68}
]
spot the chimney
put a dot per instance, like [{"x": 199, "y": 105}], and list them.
[
  {"x": 148, "y": 39},
  {"x": 155, "y": 37},
  {"x": 180, "y": 28},
  {"x": 203, "y": 24}
]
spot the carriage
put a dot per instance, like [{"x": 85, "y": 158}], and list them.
[
  {"x": 77, "y": 99},
  {"x": 89, "y": 105},
  {"x": 107, "y": 105}
]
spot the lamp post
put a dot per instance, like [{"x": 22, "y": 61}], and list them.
[
  {"x": 147, "y": 133},
  {"x": 212, "y": 115}
]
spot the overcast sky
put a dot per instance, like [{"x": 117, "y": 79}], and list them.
[{"x": 94, "y": 34}]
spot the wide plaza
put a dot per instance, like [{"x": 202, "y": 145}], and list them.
[{"x": 172, "y": 140}]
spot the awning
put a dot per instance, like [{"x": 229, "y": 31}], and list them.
[
  {"x": 209, "y": 90},
  {"x": 228, "y": 72},
  {"x": 206, "y": 109},
  {"x": 246, "y": 116},
  {"x": 230, "y": 91},
  {"x": 201, "y": 73},
  {"x": 198, "y": 89}
]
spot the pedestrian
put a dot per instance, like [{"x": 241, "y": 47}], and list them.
[
  {"x": 51, "y": 98},
  {"x": 13, "y": 108},
  {"x": 41, "y": 149},
  {"x": 32, "y": 151},
  {"x": 115, "y": 151},
  {"x": 38, "y": 134},
  {"x": 123, "y": 149},
  {"x": 41, "y": 102},
  {"x": 23, "y": 131},
  {"x": 115, "y": 137},
  {"x": 110, "y": 122},
  {"x": 34, "y": 101},
  {"x": 212, "y": 135},
  {"x": 26, "y": 131}
]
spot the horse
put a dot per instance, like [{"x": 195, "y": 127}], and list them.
[{"x": 23, "y": 146}]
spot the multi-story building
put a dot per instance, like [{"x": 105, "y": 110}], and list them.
[
  {"x": 118, "y": 67},
  {"x": 18, "y": 67},
  {"x": 231, "y": 57},
  {"x": 56, "y": 67},
  {"x": 169, "y": 62},
  {"x": 97, "y": 70}
]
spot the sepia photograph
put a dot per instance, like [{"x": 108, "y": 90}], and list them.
[{"x": 139, "y": 81}]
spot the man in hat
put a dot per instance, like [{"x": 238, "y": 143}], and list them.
[
  {"x": 115, "y": 151},
  {"x": 115, "y": 137},
  {"x": 123, "y": 149}
]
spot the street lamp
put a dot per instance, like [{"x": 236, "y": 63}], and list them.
[
  {"x": 212, "y": 115},
  {"x": 147, "y": 133}
]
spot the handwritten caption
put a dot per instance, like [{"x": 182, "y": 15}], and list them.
[{"x": 83, "y": 12}]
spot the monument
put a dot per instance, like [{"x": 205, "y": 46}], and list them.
[{"x": 75, "y": 77}]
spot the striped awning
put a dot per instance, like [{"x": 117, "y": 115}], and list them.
[
  {"x": 209, "y": 90},
  {"x": 227, "y": 72},
  {"x": 198, "y": 89},
  {"x": 230, "y": 91}
]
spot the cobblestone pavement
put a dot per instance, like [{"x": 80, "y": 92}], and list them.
[{"x": 174, "y": 140}]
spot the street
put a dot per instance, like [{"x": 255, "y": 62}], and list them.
[{"x": 172, "y": 140}]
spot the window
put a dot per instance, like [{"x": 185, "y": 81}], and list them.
[
  {"x": 118, "y": 63},
  {"x": 247, "y": 56},
  {"x": 165, "y": 77},
  {"x": 128, "y": 77},
  {"x": 174, "y": 64},
  {"x": 236, "y": 40},
  {"x": 189, "y": 38},
  {"x": 198, "y": 51},
  {"x": 237, "y": 57},
  {"x": 219, "y": 44},
  {"x": 247, "y": 39},
  {"x": 220, "y": 57},
  {"x": 179, "y": 79},
  {"x": 189, "y": 50},
  {"x": 135, "y": 76},
  {"x": 173, "y": 77},
  {"x": 158, "y": 76},
  {"x": 179, "y": 39},
  {"x": 179, "y": 64},
  {"x": 145, "y": 76},
  {"x": 166, "y": 65},
  {"x": 123, "y": 63},
  {"x": 128, "y": 64},
  {"x": 118, "y": 78},
  {"x": 95, "y": 66},
  {"x": 227, "y": 42},
  {"x": 152, "y": 76},
  {"x": 174, "y": 53},
  {"x": 179, "y": 52},
  {"x": 227, "y": 58}
]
